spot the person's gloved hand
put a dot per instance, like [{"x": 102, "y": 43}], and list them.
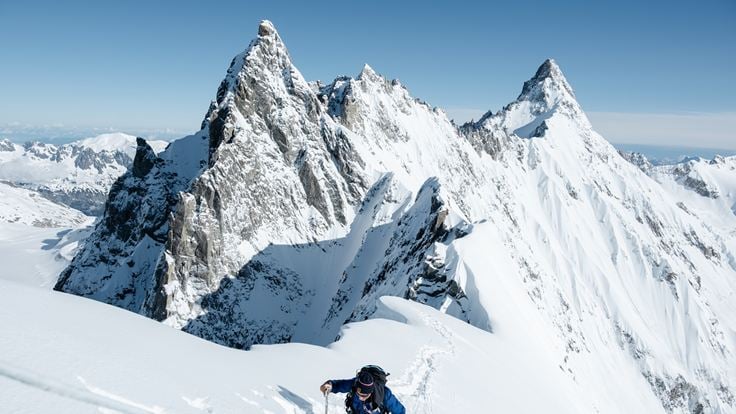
[{"x": 326, "y": 387}]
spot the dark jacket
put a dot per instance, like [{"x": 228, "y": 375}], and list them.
[{"x": 390, "y": 402}]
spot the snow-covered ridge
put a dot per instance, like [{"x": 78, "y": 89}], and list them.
[
  {"x": 298, "y": 207},
  {"x": 78, "y": 174}
]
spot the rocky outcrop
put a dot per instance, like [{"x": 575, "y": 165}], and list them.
[
  {"x": 638, "y": 159},
  {"x": 415, "y": 262},
  {"x": 128, "y": 239}
]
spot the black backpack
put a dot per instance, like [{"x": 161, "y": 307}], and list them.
[{"x": 379, "y": 383}]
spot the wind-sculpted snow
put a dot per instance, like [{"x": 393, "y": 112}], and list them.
[
  {"x": 296, "y": 207},
  {"x": 415, "y": 265}
]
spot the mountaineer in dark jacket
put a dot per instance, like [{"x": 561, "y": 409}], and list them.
[{"x": 363, "y": 391}]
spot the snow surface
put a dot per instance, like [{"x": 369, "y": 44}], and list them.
[
  {"x": 72, "y": 355},
  {"x": 18, "y": 205},
  {"x": 35, "y": 256}
]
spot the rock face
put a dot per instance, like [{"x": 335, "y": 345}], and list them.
[
  {"x": 638, "y": 160},
  {"x": 126, "y": 243},
  {"x": 297, "y": 206}
]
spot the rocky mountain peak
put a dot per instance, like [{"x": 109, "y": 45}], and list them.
[
  {"x": 145, "y": 158},
  {"x": 266, "y": 52},
  {"x": 549, "y": 72},
  {"x": 549, "y": 88},
  {"x": 367, "y": 73},
  {"x": 260, "y": 82},
  {"x": 266, "y": 28},
  {"x": 542, "y": 98}
]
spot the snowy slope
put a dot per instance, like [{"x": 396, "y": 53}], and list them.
[
  {"x": 78, "y": 174},
  {"x": 703, "y": 185},
  {"x": 79, "y": 356},
  {"x": 18, "y": 205},
  {"x": 298, "y": 207},
  {"x": 35, "y": 256}
]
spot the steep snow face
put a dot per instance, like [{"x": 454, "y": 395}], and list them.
[
  {"x": 597, "y": 244},
  {"x": 78, "y": 174},
  {"x": 703, "y": 188},
  {"x": 294, "y": 211},
  {"x": 600, "y": 244}
]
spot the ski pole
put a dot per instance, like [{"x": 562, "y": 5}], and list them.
[{"x": 326, "y": 406}]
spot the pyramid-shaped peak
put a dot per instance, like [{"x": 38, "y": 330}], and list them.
[
  {"x": 548, "y": 69},
  {"x": 266, "y": 28},
  {"x": 368, "y": 73},
  {"x": 547, "y": 83},
  {"x": 266, "y": 58}
]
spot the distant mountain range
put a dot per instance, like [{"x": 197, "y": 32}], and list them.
[
  {"x": 78, "y": 175},
  {"x": 663, "y": 155},
  {"x": 65, "y": 134}
]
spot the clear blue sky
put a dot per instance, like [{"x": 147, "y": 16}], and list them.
[{"x": 157, "y": 64}]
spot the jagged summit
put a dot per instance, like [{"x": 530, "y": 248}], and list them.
[
  {"x": 547, "y": 70},
  {"x": 259, "y": 82},
  {"x": 266, "y": 28},
  {"x": 267, "y": 51},
  {"x": 368, "y": 73},
  {"x": 548, "y": 86},
  {"x": 545, "y": 97}
]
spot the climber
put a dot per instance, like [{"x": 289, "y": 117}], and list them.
[{"x": 367, "y": 393}]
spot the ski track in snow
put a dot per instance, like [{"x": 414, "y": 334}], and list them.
[
  {"x": 104, "y": 400},
  {"x": 415, "y": 386}
]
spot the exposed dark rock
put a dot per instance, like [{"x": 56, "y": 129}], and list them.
[{"x": 145, "y": 158}]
